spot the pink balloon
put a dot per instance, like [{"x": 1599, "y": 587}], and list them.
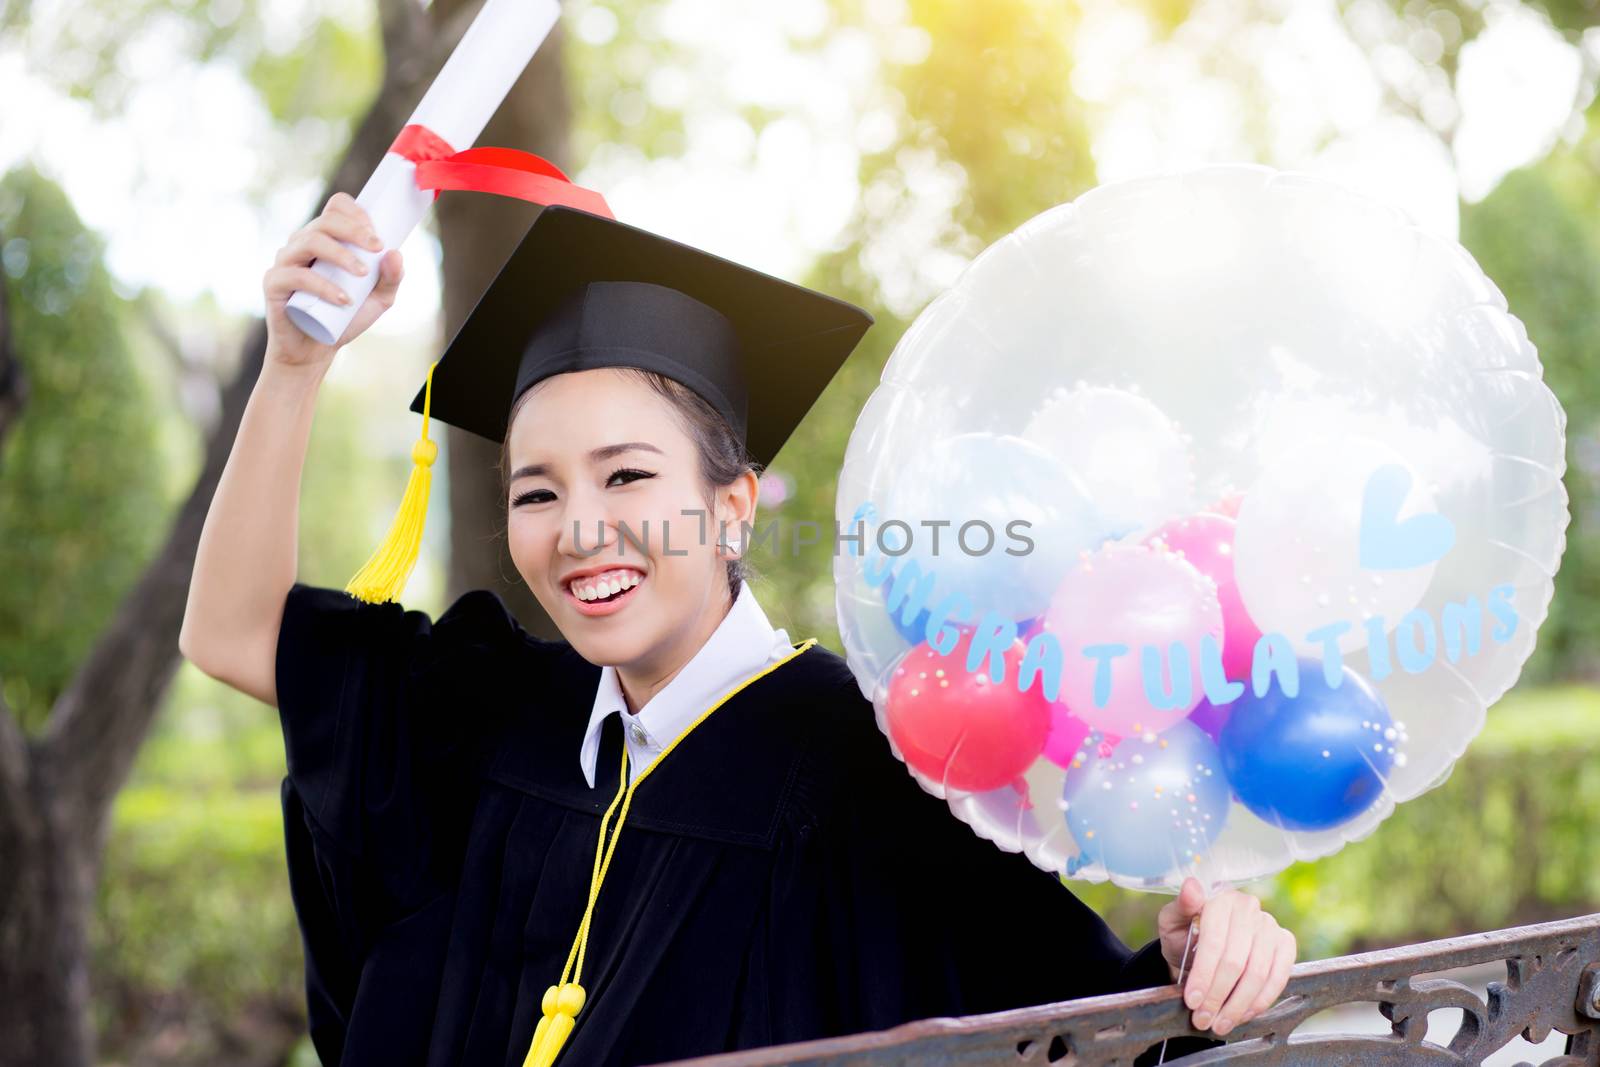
[
  {"x": 1206, "y": 541},
  {"x": 1066, "y": 737},
  {"x": 1134, "y": 595}
]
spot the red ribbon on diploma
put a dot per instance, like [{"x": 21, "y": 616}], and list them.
[{"x": 502, "y": 171}]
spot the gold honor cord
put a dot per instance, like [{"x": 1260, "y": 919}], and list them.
[{"x": 564, "y": 1000}]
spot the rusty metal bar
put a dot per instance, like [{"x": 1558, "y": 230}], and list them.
[{"x": 1552, "y": 983}]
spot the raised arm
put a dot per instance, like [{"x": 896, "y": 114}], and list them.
[{"x": 246, "y": 561}]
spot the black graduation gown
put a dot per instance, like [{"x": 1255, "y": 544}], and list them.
[{"x": 779, "y": 877}]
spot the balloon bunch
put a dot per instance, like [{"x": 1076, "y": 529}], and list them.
[
  {"x": 1152, "y": 764},
  {"x": 1167, "y": 521}
]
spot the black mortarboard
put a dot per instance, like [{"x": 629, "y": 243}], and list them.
[{"x": 583, "y": 291}]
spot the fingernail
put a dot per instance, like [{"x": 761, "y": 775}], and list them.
[
  {"x": 1224, "y": 1024},
  {"x": 1194, "y": 998},
  {"x": 361, "y": 268},
  {"x": 373, "y": 243},
  {"x": 344, "y": 297},
  {"x": 1202, "y": 1020}
]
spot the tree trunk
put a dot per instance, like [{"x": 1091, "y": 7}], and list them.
[
  {"x": 478, "y": 234},
  {"x": 49, "y": 847}
]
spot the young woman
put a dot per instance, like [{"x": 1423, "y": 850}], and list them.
[{"x": 676, "y": 831}]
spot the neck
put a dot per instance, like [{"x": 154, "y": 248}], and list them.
[{"x": 643, "y": 679}]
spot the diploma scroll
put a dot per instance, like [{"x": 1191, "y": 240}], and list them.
[{"x": 471, "y": 85}]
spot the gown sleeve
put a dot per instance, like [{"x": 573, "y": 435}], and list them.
[
  {"x": 893, "y": 910},
  {"x": 380, "y": 708}
]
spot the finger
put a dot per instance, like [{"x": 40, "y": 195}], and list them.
[
  {"x": 348, "y": 226},
  {"x": 391, "y": 268},
  {"x": 1263, "y": 947},
  {"x": 317, "y": 244},
  {"x": 343, "y": 203},
  {"x": 280, "y": 282},
  {"x": 1229, "y": 954},
  {"x": 355, "y": 215},
  {"x": 382, "y": 296},
  {"x": 1187, "y": 904},
  {"x": 290, "y": 249},
  {"x": 1213, "y": 929},
  {"x": 1282, "y": 964}
]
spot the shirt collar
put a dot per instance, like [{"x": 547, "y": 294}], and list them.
[{"x": 743, "y": 642}]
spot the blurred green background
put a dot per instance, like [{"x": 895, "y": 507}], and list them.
[{"x": 931, "y": 128}]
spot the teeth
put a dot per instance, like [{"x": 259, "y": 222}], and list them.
[{"x": 594, "y": 587}]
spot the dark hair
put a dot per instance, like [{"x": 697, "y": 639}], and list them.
[{"x": 723, "y": 457}]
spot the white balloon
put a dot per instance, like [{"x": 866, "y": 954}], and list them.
[
  {"x": 1297, "y": 544},
  {"x": 1127, "y": 453}
]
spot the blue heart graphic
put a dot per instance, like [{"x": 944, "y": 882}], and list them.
[{"x": 1388, "y": 544}]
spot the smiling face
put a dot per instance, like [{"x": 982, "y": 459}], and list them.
[{"x": 600, "y": 459}]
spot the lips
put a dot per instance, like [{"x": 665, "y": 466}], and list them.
[{"x": 604, "y": 591}]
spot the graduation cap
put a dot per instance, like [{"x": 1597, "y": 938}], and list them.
[{"x": 583, "y": 291}]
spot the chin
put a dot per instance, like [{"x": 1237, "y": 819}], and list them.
[{"x": 615, "y": 648}]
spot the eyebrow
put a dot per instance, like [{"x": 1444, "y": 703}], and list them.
[{"x": 596, "y": 455}]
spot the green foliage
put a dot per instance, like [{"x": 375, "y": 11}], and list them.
[
  {"x": 194, "y": 941},
  {"x": 1534, "y": 235},
  {"x": 82, "y": 505},
  {"x": 331, "y": 71},
  {"x": 194, "y": 908},
  {"x": 1505, "y": 840},
  {"x": 614, "y": 48}
]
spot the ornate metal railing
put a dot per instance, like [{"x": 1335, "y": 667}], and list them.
[{"x": 1552, "y": 983}]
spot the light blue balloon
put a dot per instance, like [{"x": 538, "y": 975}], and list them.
[
  {"x": 1026, "y": 515},
  {"x": 1151, "y": 807}
]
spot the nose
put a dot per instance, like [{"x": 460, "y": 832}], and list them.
[
  {"x": 587, "y": 527},
  {"x": 586, "y": 533}
]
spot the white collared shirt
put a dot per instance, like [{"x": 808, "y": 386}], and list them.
[{"x": 743, "y": 643}]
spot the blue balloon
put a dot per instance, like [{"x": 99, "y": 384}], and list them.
[
  {"x": 1313, "y": 760},
  {"x": 1151, "y": 807}
]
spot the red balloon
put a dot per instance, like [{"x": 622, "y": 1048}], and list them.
[{"x": 962, "y": 729}]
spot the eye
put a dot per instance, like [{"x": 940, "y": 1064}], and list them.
[
  {"x": 628, "y": 474},
  {"x": 533, "y": 496}
]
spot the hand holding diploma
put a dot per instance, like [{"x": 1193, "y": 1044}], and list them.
[
  {"x": 329, "y": 238},
  {"x": 427, "y": 157}
]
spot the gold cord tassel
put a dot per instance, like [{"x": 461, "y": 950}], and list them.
[
  {"x": 384, "y": 576},
  {"x": 561, "y": 1007}
]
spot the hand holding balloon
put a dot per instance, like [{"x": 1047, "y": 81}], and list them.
[{"x": 1241, "y": 957}]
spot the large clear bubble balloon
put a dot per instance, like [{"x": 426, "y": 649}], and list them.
[{"x": 1269, "y": 483}]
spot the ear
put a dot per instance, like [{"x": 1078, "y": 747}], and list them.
[{"x": 735, "y": 513}]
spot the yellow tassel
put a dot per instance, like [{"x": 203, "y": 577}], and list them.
[
  {"x": 547, "y": 1044},
  {"x": 548, "y": 1007},
  {"x": 384, "y": 576}
]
